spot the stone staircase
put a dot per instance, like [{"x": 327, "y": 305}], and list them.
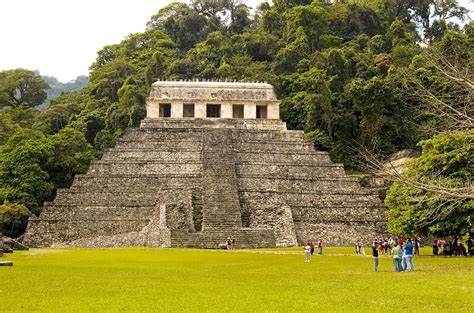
[{"x": 221, "y": 206}]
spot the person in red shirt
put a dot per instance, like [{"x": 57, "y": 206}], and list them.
[{"x": 320, "y": 247}]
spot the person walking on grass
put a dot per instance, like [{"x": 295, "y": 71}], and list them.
[
  {"x": 320, "y": 247},
  {"x": 375, "y": 254},
  {"x": 307, "y": 252},
  {"x": 396, "y": 255},
  {"x": 409, "y": 256}
]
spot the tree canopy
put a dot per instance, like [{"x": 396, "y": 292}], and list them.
[{"x": 22, "y": 87}]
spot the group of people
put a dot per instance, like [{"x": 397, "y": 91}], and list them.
[
  {"x": 385, "y": 246},
  {"x": 402, "y": 255},
  {"x": 455, "y": 248},
  {"x": 309, "y": 249}
]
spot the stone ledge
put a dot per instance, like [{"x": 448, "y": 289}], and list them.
[
  {"x": 322, "y": 192},
  {"x": 6, "y": 263}
]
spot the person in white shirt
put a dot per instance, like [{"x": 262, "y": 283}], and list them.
[{"x": 307, "y": 253}]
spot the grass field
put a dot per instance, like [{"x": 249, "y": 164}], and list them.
[{"x": 269, "y": 280}]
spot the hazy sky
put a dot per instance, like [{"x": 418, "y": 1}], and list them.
[{"x": 61, "y": 38}]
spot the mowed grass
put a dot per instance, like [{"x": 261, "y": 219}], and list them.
[{"x": 268, "y": 280}]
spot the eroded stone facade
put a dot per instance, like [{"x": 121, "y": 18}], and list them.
[{"x": 194, "y": 182}]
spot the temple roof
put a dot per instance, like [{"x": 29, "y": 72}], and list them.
[{"x": 209, "y": 90}]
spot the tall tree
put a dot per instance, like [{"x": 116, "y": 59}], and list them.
[{"x": 22, "y": 87}]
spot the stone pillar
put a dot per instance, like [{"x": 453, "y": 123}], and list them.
[
  {"x": 176, "y": 110},
  {"x": 226, "y": 110},
  {"x": 250, "y": 111},
  {"x": 200, "y": 110},
  {"x": 273, "y": 111},
  {"x": 152, "y": 109}
]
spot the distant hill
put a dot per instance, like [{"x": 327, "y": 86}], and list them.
[{"x": 57, "y": 87}]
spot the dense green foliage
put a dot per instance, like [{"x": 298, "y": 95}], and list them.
[
  {"x": 263, "y": 280},
  {"x": 339, "y": 68},
  {"x": 13, "y": 219},
  {"x": 32, "y": 165},
  {"x": 446, "y": 160},
  {"x": 21, "y": 87}
]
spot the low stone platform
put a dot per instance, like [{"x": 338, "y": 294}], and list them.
[{"x": 6, "y": 263}]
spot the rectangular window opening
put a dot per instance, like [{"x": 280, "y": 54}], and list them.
[
  {"x": 188, "y": 110},
  {"x": 165, "y": 109},
  {"x": 213, "y": 110},
  {"x": 238, "y": 111},
  {"x": 261, "y": 111}
]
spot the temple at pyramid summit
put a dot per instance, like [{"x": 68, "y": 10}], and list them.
[{"x": 211, "y": 161}]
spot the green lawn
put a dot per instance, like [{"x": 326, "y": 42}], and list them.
[{"x": 268, "y": 280}]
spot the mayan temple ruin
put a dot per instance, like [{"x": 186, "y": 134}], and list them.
[{"x": 211, "y": 160}]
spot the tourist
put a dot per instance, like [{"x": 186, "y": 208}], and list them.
[
  {"x": 232, "y": 244},
  {"x": 416, "y": 246},
  {"x": 375, "y": 254},
  {"x": 401, "y": 253},
  {"x": 435, "y": 248},
  {"x": 469, "y": 245},
  {"x": 307, "y": 252},
  {"x": 357, "y": 247},
  {"x": 320, "y": 247},
  {"x": 229, "y": 243},
  {"x": 409, "y": 256},
  {"x": 311, "y": 244},
  {"x": 404, "y": 259},
  {"x": 245, "y": 124},
  {"x": 447, "y": 248},
  {"x": 380, "y": 246},
  {"x": 386, "y": 247},
  {"x": 396, "y": 256}
]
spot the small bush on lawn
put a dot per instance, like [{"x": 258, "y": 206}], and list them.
[{"x": 13, "y": 219}]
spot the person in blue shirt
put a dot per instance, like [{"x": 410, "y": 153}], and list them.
[{"x": 409, "y": 256}]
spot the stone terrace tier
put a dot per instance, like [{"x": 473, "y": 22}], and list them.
[{"x": 196, "y": 182}]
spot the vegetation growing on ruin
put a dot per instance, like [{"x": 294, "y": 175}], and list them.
[
  {"x": 375, "y": 75},
  {"x": 187, "y": 280}
]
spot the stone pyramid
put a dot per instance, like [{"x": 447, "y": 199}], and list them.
[{"x": 196, "y": 173}]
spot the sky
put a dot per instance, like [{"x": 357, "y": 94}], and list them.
[{"x": 61, "y": 38}]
